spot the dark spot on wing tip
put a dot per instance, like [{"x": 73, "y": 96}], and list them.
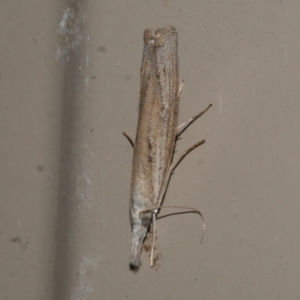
[{"x": 134, "y": 268}]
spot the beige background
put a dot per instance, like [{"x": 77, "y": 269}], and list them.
[{"x": 70, "y": 85}]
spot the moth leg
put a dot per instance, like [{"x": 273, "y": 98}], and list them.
[
  {"x": 129, "y": 139},
  {"x": 173, "y": 167},
  {"x": 184, "y": 154},
  {"x": 153, "y": 236},
  {"x": 185, "y": 125}
]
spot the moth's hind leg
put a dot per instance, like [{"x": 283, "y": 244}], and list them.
[
  {"x": 180, "y": 131},
  {"x": 184, "y": 154}
]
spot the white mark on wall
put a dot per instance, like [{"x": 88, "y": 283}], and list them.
[
  {"x": 286, "y": 41},
  {"x": 220, "y": 101},
  {"x": 87, "y": 64},
  {"x": 81, "y": 177},
  {"x": 87, "y": 55},
  {"x": 69, "y": 30},
  {"x": 86, "y": 83},
  {"x": 286, "y": 49},
  {"x": 84, "y": 178},
  {"x": 84, "y": 284}
]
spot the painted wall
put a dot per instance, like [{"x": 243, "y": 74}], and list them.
[{"x": 70, "y": 87}]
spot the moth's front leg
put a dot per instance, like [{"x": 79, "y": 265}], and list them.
[{"x": 129, "y": 138}]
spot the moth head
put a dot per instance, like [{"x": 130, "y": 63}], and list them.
[{"x": 153, "y": 38}]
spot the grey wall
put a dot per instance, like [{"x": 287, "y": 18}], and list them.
[{"x": 70, "y": 86}]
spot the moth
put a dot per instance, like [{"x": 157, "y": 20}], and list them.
[{"x": 157, "y": 133}]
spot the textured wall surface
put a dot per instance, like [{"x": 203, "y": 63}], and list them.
[{"x": 69, "y": 84}]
